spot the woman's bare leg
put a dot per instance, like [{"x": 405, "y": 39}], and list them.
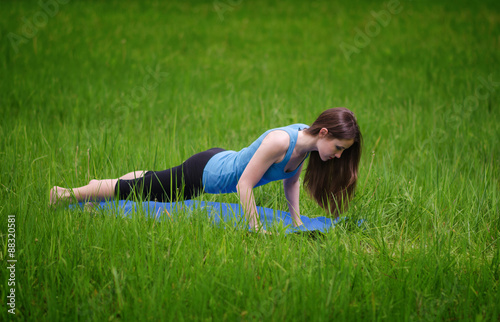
[
  {"x": 95, "y": 190},
  {"x": 134, "y": 175}
]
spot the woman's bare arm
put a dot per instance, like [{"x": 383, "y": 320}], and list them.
[
  {"x": 292, "y": 191},
  {"x": 271, "y": 150}
]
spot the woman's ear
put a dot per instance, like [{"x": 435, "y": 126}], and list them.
[{"x": 323, "y": 132}]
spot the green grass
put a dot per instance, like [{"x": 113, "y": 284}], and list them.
[{"x": 74, "y": 107}]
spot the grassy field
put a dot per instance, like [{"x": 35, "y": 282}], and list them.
[{"x": 95, "y": 89}]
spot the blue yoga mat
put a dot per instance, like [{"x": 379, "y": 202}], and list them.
[{"x": 220, "y": 212}]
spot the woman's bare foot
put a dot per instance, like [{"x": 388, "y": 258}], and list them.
[{"x": 58, "y": 194}]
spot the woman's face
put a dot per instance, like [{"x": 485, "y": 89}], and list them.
[{"x": 330, "y": 148}]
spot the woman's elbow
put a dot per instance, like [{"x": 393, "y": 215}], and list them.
[{"x": 291, "y": 182}]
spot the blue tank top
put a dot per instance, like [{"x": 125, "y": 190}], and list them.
[{"x": 223, "y": 170}]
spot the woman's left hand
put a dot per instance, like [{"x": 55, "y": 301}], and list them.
[{"x": 297, "y": 222}]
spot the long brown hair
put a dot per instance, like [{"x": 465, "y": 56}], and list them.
[{"x": 332, "y": 183}]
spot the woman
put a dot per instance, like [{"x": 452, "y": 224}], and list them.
[{"x": 278, "y": 154}]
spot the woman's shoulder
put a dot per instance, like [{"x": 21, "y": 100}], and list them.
[
  {"x": 296, "y": 126},
  {"x": 281, "y": 136},
  {"x": 300, "y": 126},
  {"x": 278, "y": 138}
]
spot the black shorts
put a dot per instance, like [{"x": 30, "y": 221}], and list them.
[{"x": 178, "y": 183}]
